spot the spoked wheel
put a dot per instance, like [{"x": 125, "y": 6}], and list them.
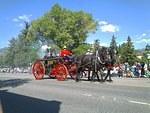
[
  {"x": 61, "y": 72},
  {"x": 38, "y": 70}
]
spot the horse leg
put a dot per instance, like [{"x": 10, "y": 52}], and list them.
[
  {"x": 89, "y": 75},
  {"x": 97, "y": 76},
  {"x": 101, "y": 76},
  {"x": 93, "y": 76},
  {"x": 79, "y": 70},
  {"x": 108, "y": 75}
]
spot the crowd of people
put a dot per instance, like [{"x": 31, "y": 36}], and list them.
[{"x": 135, "y": 70}]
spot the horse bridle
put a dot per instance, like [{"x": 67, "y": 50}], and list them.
[{"x": 99, "y": 59}]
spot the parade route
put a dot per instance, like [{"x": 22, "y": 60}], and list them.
[{"x": 20, "y": 93}]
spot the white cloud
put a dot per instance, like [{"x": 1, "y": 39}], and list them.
[
  {"x": 24, "y": 17},
  {"x": 21, "y": 24},
  {"x": 21, "y": 19},
  {"x": 144, "y": 34},
  {"x": 102, "y": 23},
  {"x": 107, "y": 27},
  {"x": 142, "y": 37},
  {"x": 15, "y": 20},
  {"x": 143, "y": 40}
]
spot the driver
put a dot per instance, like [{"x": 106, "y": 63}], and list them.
[{"x": 65, "y": 53}]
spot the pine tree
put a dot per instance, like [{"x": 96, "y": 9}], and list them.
[
  {"x": 114, "y": 50},
  {"x": 113, "y": 44},
  {"x": 127, "y": 52}
]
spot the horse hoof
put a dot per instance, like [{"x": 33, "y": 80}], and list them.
[
  {"x": 110, "y": 80},
  {"x": 89, "y": 79},
  {"x": 102, "y": 80},
  {"x": 77, "y": 80}
]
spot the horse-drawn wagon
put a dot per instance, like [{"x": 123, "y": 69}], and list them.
[{"x": 56, "y": 67}]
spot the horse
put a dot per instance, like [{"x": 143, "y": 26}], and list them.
[
  {"x": 109, "y": 65},
  {"x": 93, "y": 62}
]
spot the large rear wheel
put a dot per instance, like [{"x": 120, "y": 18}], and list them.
[
  {"x": 38, "y": 70},
  {"x": 61, "y": 72}
]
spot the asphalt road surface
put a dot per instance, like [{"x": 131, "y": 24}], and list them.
[{"x": 20, "y": 93}]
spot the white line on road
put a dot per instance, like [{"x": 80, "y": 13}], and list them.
[
  {"x": 114, "y": 99},
  {"x": 103, "y": 97},
  {"x": 137, "y": 102},
  {"x": 88, "y": 95}
]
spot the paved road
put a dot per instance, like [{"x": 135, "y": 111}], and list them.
[{"x": 20, "y": 93}]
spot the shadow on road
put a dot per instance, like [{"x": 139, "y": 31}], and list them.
[
  {"x": 13, "y": 82},
  {"x": 15, "y": 103}
]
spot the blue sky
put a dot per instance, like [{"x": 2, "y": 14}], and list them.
[{"x": 118, "y": 17}]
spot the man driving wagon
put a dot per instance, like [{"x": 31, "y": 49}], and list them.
[{"x": 66, "y": 54}]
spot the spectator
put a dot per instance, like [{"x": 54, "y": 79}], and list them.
[
  {"x": 142, "y": 69},
  {"x": 148, "y": 73}
]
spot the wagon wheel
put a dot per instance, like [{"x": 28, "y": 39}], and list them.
[
  {"x": 38, "y": 70},
  {"x": 61, "y": 72}
]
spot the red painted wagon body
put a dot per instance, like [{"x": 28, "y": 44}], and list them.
[{"x": 54, "y": 67}]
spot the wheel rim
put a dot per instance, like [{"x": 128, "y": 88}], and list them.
[
  {"x": 38, "y": 70},
  {"x": 61, "y": 72}
]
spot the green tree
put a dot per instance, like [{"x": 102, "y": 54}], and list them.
[
  {"x": 3, "y": 60},
  {"x": 127, "y": 52},
  {"x": 81, "y": 49},
  {"x": 20, "y": 52},
  {"x": 62, "y": 27},
  {"x": 10, "y": 55},
  {"x": 113, "y": 43},
  {"x": 146, "y": 54},
  {"x": 114, "y": 49}
]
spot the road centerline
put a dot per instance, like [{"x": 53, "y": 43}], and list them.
[{"x": 138, "y": 102}]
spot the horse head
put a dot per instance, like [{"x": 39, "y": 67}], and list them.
[
  {"x": 103, "y": 55},
  {"x": 113, "y": 55}
]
